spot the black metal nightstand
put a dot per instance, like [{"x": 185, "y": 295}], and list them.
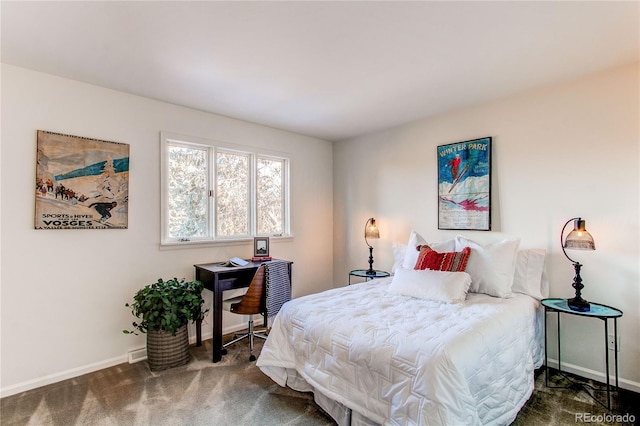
[
  {"x": 363, "y": 273},
  {"x": 603, "y": 312}
]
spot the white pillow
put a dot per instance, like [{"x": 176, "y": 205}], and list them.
[
  {"x": 528, "y": 274},
  {"x": 441, "y": 286},
  {"x": 411, "y": 255},
  {"x": 399, "y": 251},
  {"x": 544, "y": 285},
  {"x": 415, "y": 240},
  {"x": 441, "y": 247},
  {"x": 491, "y": 266}
]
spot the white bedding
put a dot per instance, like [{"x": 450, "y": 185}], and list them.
[{"x": 398, "y": 360}]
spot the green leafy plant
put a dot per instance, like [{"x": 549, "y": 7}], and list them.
[{"x": 166, "y": 305}]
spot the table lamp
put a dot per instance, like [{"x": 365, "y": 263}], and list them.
[
  {"x": 578, "y": 239},
  {"x": 371, "y": 231}
]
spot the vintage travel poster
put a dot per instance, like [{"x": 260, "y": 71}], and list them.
[
  {"x": 81, "y": 183},
  {"x": 464, "y": 185}
]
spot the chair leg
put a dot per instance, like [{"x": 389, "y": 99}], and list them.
[
  {"x": 251, "y": 333},
  {"x": 252, "y": 357},
  {"x": 237, "y": 339}
]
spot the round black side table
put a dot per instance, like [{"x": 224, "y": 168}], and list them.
[
  {"x": 363, "y": 273},
  {"x": 603, "y": 312}
]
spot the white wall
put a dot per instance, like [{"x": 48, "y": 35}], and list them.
[
  {"x": 569, "y": 150},
  {"x": 63, "y": 291}
]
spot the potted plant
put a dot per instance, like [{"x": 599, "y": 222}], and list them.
[{"x": 165, "y": 308}]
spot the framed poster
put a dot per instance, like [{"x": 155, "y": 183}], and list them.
[
  {"x": 81, "y": 183},
  {"x": 464, "y": 185}
]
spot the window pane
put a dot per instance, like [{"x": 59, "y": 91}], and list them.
[
  {"x": 270, "y": 196},
  {"x": 187, "y": 192},
  {"x": 232, "y": 194}
]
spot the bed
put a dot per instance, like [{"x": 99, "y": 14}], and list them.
[{"x": 373, "y": 355}]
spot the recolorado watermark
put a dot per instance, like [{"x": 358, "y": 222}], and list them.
[{"x": 605, "y": 418}]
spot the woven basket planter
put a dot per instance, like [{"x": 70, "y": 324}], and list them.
[{"x": 167, "y": 351}]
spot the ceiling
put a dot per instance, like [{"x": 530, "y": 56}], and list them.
[{"x": 332, "y": 70}]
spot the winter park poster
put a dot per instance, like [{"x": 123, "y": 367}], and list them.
[
  {"x": 81, "y": 183},
  {"x": 464, "y": 185}
]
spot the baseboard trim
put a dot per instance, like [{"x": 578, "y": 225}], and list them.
[
  {"x": 595, "y": 375},
  {"x": 58, "y": 377},
  {"x": 90, "y": 368},
  {"x": 75, "y": 372}
]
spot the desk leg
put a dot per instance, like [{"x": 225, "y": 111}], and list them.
[
  {"x": 216, "y": 340},
  {"x": 199, "y": 332}
]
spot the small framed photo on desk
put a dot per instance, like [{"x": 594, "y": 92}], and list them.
[{"x": 261, "y": 246}]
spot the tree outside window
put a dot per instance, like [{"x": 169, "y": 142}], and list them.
[{"x": 211, "y": 192}]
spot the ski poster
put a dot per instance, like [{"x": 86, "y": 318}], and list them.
[
  {"x": 81, "y": 183},
  {"x": 464, "y": 185}
]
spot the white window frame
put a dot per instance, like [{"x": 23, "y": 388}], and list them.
[
  {"x": 251, "y": 178},
  {"x": 167, "y": 139}
]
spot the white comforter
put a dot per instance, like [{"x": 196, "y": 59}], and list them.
[{"x": 404, "y": 361}]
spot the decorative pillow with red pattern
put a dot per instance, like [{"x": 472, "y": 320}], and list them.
[{"x": 455, "y": 261}]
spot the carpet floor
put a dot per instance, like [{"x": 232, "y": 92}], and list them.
[{"x": 235, "y": 392}]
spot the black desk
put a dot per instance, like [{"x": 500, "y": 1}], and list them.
[{"x": 217, "y": 279}]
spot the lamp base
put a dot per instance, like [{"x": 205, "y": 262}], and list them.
[
  {"x": 579, "y": 304},
  {"x": 371, "y": 271}
]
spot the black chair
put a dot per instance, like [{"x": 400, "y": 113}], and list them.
[{"x": 252, "y": 303}]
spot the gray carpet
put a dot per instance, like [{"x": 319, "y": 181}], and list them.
[{"x": 231, "y": 392}]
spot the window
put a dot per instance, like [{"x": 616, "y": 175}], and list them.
[
  {"x": 233, "y": 189},
  {"x": 212, "y": 192}
]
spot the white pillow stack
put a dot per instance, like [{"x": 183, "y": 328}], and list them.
[
  {"x": 498, "y": 269},
  {"x": 491, "y": 266}
]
